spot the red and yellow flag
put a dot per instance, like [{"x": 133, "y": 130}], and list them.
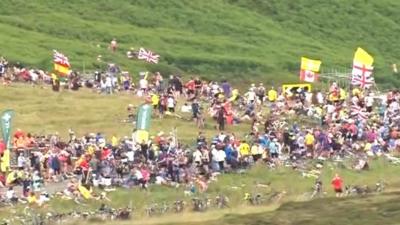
[{"x": 309, "y": 69}]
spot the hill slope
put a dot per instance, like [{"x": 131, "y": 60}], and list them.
[
  {"x": 213, "y": 38},
  {"x": 371, "y": 210}
]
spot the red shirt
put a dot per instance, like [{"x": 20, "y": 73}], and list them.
[
  {"x": 84, "y": 165},
  {"x": 190, "y": 85},
  {"x": 337, "y": 183},
  {"x": 2, "y": 147},
  {"x": 105, "y": 153}
]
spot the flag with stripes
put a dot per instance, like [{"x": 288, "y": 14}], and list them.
[
  {"x": 363, "y": 81},
  {"x": 61, "y": 63},
  {"x": 148, "y": 56},
  {"x": 358, "y": 112},
  {"x": 362, "y": 69},
  {"x": 60, "y": 59}
]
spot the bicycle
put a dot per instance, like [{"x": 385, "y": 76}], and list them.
[
  {"x": 200, "y": 205},
  {"x": 253, "y": 199},
  {"x": 221, "y": 201},
  {"x": 178, "y": 206}
]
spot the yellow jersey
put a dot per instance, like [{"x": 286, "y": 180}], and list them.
[
  {"x": 272, "y": 95},
  {"x": 244, "y": 149},
  {"x": 309, "y": 139}
]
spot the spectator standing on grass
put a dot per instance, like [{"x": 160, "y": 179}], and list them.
[
  {"x": 113, "y": 45},
  {"x": 337, "y": 184},
  {"x": 261, "y": 92},
  {"x": 226, "y": 88},
  {"x": 108, "y": 84}
]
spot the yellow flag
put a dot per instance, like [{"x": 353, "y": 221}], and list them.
[
  {"x": 362, "y": 57},
  {"x": 310, "y": 64},
  {"x": 64, "y": 70},
  {"x": 84, "y": 192}
]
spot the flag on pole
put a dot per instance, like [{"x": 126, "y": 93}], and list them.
[
  {"x": 362, "y": 57},
  {"x": 309, "y": 69},
  {"x": 148, "y": 56},
  {"x": 6, "y": 126},
  {"x": 143, "y": 123},
  {"x": 61, "y": 63},
  {"x": 363, "y": 80},
  {"x": 362, "y": 69}
]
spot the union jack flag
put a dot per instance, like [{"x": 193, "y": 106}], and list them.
[
  {"x": 358, "y": 112},
  {"x": 60, "y": 58},
  {"x": 362, "y": 75},
  {"x": 362, "y": 80},
  {"x": 148, "y": 55}
]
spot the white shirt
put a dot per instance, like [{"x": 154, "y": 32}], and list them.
[
  {"x": 220, "y": 156},
  {"x": 114, "y": 81},
  {"x": 197, "y": 156},
  {"x": 21, "y": 161},
  {"x": 214, "y": 154},
  {"x": 309, "y": 97},
  {"x": 108, "y": 82},
  {"x": 103, "y": 84},
  {"x": 138, "y": 175},
  {"x": 369, "y": 101},
  {"x": 34, "y": 76},
  {"x": 170, "y": 102},
  {"x": 251, "y": 95},
  {"x": 221, "y": 137},
  {"x": 130, "y": 155},
  {"x": 143, "y": 83},
  {"x": 320, "y": 98}
]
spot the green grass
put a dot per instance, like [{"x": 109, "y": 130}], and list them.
[
  {"x": 329, "y": 209},
  {"x": 383, "y": 209},
  {"x": 41, "y": 111},
  {"x": 236, "y": 39}
]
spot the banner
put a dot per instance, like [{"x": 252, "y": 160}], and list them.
[
  {"x": 6, "y": 126},
  {"x": 309, "y": 69},
  {"x": 362, "y": 69},
  {"x": 310, "y": 64},
  {"x": 144, "y": 117}
]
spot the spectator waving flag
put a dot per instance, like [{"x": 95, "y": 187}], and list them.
[
  {"x": 358, "y": 112},
  {"x": 61, "y": 63},
  {"x": 148, "y": 56},
  {"x": 362, "y": 69},
  {"x": 309, "y": 70}
]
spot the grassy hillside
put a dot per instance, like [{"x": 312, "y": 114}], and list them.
[
  {"x": 369, "y": 210},
  {"x": 45, "y": 112},
  {"x": 214, "y": 38}
]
